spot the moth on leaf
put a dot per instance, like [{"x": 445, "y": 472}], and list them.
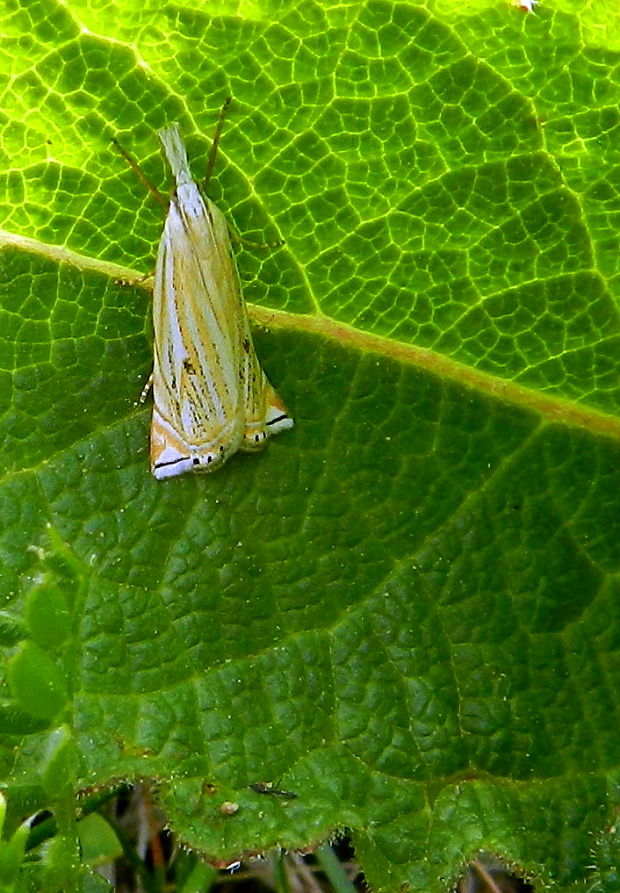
[{"x": 210, "y": 395}]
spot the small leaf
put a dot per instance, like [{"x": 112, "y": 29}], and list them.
[
  {"x": 11, "y": 851},
  {"x": 99, "y": 842},
  {"x": 59, "y": 765},
  {"x": 36, "y": 682},
  {"x": 47, "y": 614}
]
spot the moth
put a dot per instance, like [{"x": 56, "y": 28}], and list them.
[{"x": 210, "y": 394}]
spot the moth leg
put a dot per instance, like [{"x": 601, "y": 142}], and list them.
[
  {"x": 147, "y": 387},
  {"x": 133, "y": 164},
  {"x": 216, "y": 141},
  {"x": 248, "y": 243},
  {"x": 137, "y": 281}
]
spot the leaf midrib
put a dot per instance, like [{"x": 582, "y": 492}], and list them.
[{"x": 552, "y": 409}]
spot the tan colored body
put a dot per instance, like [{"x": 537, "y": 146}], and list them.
[{"x": 210, "y": 394}]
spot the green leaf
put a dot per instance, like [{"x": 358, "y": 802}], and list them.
[
  {"x": 36, "y": 682},
  {"x": 98, "y": 841},
  {"x": 11, "y": 851},
  {"x": 405, "y": 611},
  {"x": 47, "y": 614}
]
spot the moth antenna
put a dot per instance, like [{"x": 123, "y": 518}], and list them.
[{"x": 216, "y": 141}]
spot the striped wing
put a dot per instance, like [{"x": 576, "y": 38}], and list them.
[{"x": 211, "y": 396}]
